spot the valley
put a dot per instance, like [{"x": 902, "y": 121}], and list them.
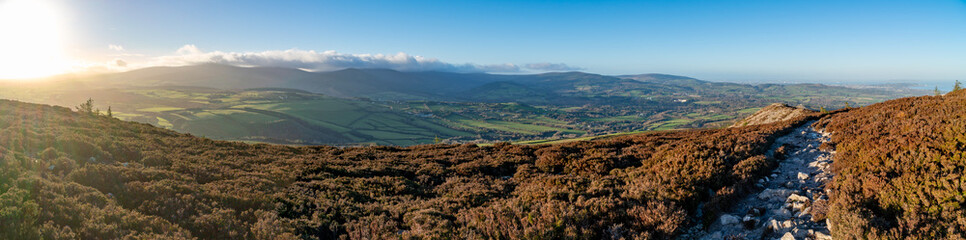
[{"x": 385, "y": 107}]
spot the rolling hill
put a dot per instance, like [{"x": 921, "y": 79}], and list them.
[{"x": 387, "y": 107}]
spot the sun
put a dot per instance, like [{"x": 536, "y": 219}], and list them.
[{"x": 31, "y": 39}]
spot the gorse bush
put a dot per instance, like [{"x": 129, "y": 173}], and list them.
[
  {"x": 900, "y": 167},
  {"x": 67, "y": 175}
]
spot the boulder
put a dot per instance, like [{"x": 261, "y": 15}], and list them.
[
  {"x": 728, "y": 219},
  {"x": 788, "y": 236}
]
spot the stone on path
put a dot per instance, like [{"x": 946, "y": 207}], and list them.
[
  {"x": 796, "y": 198},
  {"x": 802, "y": 176},
  {"x": 773, "y": 194},
  {"x": 728, "y": 219},
  {"x": 822, "y": 236}
]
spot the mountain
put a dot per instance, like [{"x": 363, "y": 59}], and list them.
[
  {"x": 217, "y": 76},
  {"x": 663, "y": 78}
]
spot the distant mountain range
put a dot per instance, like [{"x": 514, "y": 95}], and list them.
[{"x": 385, "y": 84}]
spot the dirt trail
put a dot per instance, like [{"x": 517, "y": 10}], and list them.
[{"x": 792, "y": 200}]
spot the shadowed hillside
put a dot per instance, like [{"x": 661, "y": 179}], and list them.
[{"x": 76, "y": 175}]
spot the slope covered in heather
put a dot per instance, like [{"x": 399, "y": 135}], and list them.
[
  {"x": 76, "y": 175},
  {"x": 899, "y": 169}
]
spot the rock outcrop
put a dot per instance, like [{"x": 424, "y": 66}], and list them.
[{"x": 775, "y": 112}]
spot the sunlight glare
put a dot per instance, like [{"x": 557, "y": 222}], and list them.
[{"x": 31, "y": 40}]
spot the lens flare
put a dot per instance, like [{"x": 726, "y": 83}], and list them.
[{"x": 31, "y": 39}]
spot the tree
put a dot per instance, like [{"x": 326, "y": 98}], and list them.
[
  {"x": 86, "y": 107},
  {"x": 822, "y": 109},
  {"x": 436, "y": 140},
  {"x": 936, "y": 91},
  {"x": 847, "y": 105},
  {"x": 109, "y": 113},
  {"x": 957, "y": 86}
]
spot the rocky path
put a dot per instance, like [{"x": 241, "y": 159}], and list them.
[{"x": 792, "y": 202}]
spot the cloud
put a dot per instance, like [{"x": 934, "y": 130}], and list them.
[
  {"x": 118, "y": 48},
  {"x": 322, "y": 61},
  {"x": 120, "y": 63},
  {"x": 551, "y": 67}
]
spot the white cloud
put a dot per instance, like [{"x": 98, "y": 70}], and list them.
[
  {"x": 551, "y": 67},
  {"x": 118, "y": 48},
  {"x": 322, "y": 61}
]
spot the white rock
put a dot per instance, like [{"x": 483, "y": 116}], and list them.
[
  {"x": 728, "y": 219},
  {"x": 796, "y": 198},
  {"x": 798, "y": 206},
  {"x": 804, "y": 214},
  {"x": 778, "y": 226},
  {"x": 822, "y": 236},
  {"x": 774, "y": 175},
  {"x": 802, "y": 176},
  {"x": 773, "y": 194},
  {"x": 788, "y": 224},
  {"x": 788, "y": 236}
]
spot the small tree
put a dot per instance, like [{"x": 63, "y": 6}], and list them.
[
  {"x": 936, "y": 91},
  {"x": 822, "y": 109},
  {"x": 109, "y": 113},
  {"x": 957, "y": 86},
  {"x": 86, "y": 107},
  {"x": 847, "y": 105},
  {"x": 436, "y": 140}
]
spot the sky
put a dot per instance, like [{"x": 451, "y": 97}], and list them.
[{"x": 759, "y": 41}]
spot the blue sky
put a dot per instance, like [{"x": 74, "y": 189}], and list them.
[{"x": 716, "y": 40}]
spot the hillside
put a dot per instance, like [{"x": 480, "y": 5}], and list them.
[
  {"x": 776, "y": 112},
  {"x": 896, "y": 168},
  {"x": 899, "y": 169},
  {"x": 74, "y": 175}
]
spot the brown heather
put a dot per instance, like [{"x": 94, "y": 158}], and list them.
[
  {"x": 67, "y": 175},
  {"x": 899, "y": 167}
]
